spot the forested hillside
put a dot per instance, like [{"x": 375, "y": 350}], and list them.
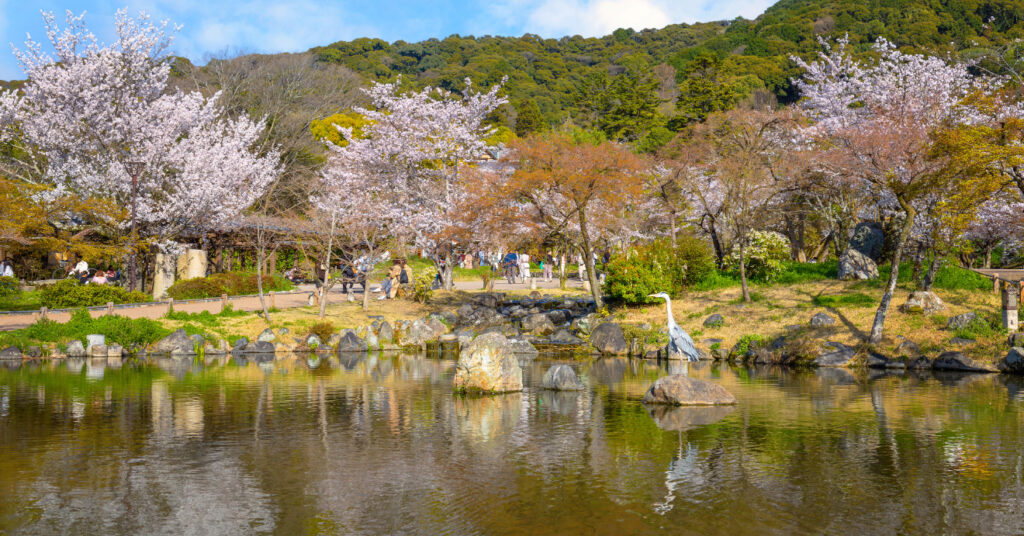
[{"x": 563, "y": 75}]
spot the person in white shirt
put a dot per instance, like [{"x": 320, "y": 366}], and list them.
[
  {"x": 524, "y": 266},
  {"x": 82, "y": 267},
  {"x": 6, "y": 270}
]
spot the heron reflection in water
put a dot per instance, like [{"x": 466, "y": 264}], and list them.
[{"x": 682, "y": 468}]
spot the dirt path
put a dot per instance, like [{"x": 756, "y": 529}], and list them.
[{"x": 298, "y": 298}]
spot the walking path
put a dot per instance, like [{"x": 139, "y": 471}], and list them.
[{"x": 281, "y": 300}]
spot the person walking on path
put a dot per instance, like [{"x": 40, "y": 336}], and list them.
[
  {"x": 510, "y": 264},
  {"x": 524, "y": 267},
  {"x": 547, "y": 266}
]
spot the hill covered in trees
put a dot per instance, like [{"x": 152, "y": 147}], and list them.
[{"x": 581, "y": 78}]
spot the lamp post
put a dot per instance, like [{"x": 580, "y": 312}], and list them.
[{"x": 134, "y": 169}]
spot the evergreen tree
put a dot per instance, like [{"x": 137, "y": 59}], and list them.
[{"x": 528, "y": 118}]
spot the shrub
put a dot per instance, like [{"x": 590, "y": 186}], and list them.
[
  {"x": 423, "y": 285},
  {"x": 957, "y": 278},
  {"x": 323, "y": 330},
  {"x": 69, "y": 293},
  {"x": 658, "y": 267},
  {"x": 980, "y": 328},
  {"x": 743, "y": 345},
  {"x": 765, "y": 253},
  {"x": 230, "y": 283},
  {"x": 117, "y": 329},
  {"x": 9, "y": 286}
]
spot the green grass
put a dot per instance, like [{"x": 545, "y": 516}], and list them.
[
  {"x": 205, "y": 318},
  {"x": 855, "y": 299},
  {"x": 743, "y": 345},
  {"x": 803, "y": 272},
  {"x": 117, "y": 329},
  {"x": 755, "y": 297},
  {"x": 21, "y": 301},
  {"x": 980, "y": 328}
]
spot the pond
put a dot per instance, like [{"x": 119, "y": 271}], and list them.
[{"x": 380, "y": 445}]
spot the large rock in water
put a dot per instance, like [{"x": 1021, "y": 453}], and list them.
[
  {"x": 1013, "y": 362},
  {"x": 350, "y": 342},
  {"x": 922, "y": 301},
  {"x": 561, "y": 378},
  {"x": 835, "y": 355},
  {"x": 869, "y": 239},
  {"x": 538, "y": 323},
  {"x": 11, "y": 352},
  {"x": 855, "y": 265},
  {"x": 177, "y": 343},
  {"x": 959, "y": 361},
  {"x": 680, "y": 390},
  {"x": 609, "y": 339},
  {"x": 489, "y": 365}
]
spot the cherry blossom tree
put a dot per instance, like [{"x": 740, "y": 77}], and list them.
[
  {"x": 877, "y": 118},
  {"x": 89, "y": 111},
  {"x": 410, "y": 155}
]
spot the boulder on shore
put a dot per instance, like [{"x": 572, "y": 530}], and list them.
[
  {"x": 855, "y": 265},
  {"x": 868, "y": 238},
  {"x": 539, "y": 324},
  {"x": 350, "y": 343},
  {"x": 175, "y": 344},
  {"x": 681, "y": 390},
  {"x": 714, "y": 321},
  {"x": 961, "y": 321},
  {"x": 488, "y": 365},
  {"x": 609, "y": 339},
  {"x": 561, "y": 378},
  {"x": 922, "y": 301},
  {"x": 959, "y": 361},
  {"x": 822, "y": 319},
  {"x": 1013, "y": 362},
  {"x": 837, "y": 355},
  {"x": 11, "y": 352},
  {"x": 75, "y": 349}
]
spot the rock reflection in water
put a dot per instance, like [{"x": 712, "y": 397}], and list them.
[{"x": 378, "y": 444}]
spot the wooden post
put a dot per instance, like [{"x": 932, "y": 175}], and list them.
[
  {"x": 272, "y": 302},
  {"x": 995, "y": 283},
  {"x": 42, "y": 313},
  {"x": 1011, "y": 299},
  {"x": 110, "y": 308},
  {"x": 223, "y": 302}
]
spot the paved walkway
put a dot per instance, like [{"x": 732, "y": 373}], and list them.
[{"x": 288, "y": 300}]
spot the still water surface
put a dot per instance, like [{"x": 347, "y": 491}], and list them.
[{"x": 380, "y": 445}]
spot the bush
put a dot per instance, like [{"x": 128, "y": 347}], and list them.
[
  {"x": 746, "y": 342},
  {"x": 70, "y": 293},
  {"x": 9, "y": 286},
  {"x": 117, "y": 329},
  {"x": 981, "y": 328},
  {"x": 323, "y": 330},
  {"x": 658, "y": 267},
  {"x": 230, "y": 283},
  {"x": 957, "y": 278},
  {"x": 423, "y": 285},
  {"x": 765, "y": 254}
]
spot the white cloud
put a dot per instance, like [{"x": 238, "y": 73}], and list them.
[{"x": 555, "y": 18}]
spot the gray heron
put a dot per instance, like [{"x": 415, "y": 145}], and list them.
[{"x": 678, "y": 340}]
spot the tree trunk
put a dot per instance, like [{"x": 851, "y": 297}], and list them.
[
  {"x": 743, "y": 271},
  {"x": 819, "y": 252},
  {"x": 562, "y": 277},
  {"x": 894, "y": 273},
  {"x": 672, "y": 229},
  {"x": 261, "y": 256},
  {"x": 719, "y": 254},
  {"x": 327, "y": 271},
  {"x": 448, "y": 274},
  {"x": 918, "y": 264},
  {"x": 988, "y": 256},
  {"x": 933, "y": 268},
  {"x": 588, "y": 258}
]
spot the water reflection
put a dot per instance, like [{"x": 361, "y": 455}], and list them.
[{"x": 378, "y": 443}]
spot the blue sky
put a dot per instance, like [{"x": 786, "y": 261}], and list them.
[{"x": 217, "y": 26}]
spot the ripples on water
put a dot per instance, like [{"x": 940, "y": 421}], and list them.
[{"x": 380, "y": 445}]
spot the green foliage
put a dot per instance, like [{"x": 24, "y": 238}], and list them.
[
  {"x": 716, "y": 280},
  {"x": 803, "y": 272},
  {"x": 326, "y": 129},
  {"x": 765, "y": 254},
  {"x": 205, "y": 318},
  {"x": 230, "y": 283},
  {"x": 855, "y": 299},
  {"x": 658, "y": 267},
  {"x": 528, "y": 118},
  {"x": 423, "y": 285},
  {"x": 746, "y": 341},
  {"x": 657, "y": 138},
  {"x": 70, "y": 293},
  {"x": 703, "y": 91},
  {"x": 981, "y": 328},
  {"x": 9, "y": 286},
  {"x": 117, "y": 329},
  {"x": 950, "y": 277}
]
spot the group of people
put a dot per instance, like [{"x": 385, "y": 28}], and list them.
[
  {"x": 515, "y": 265},
  {"x": 399, "y": 274},
  {"x": 85, "y": 276}
]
